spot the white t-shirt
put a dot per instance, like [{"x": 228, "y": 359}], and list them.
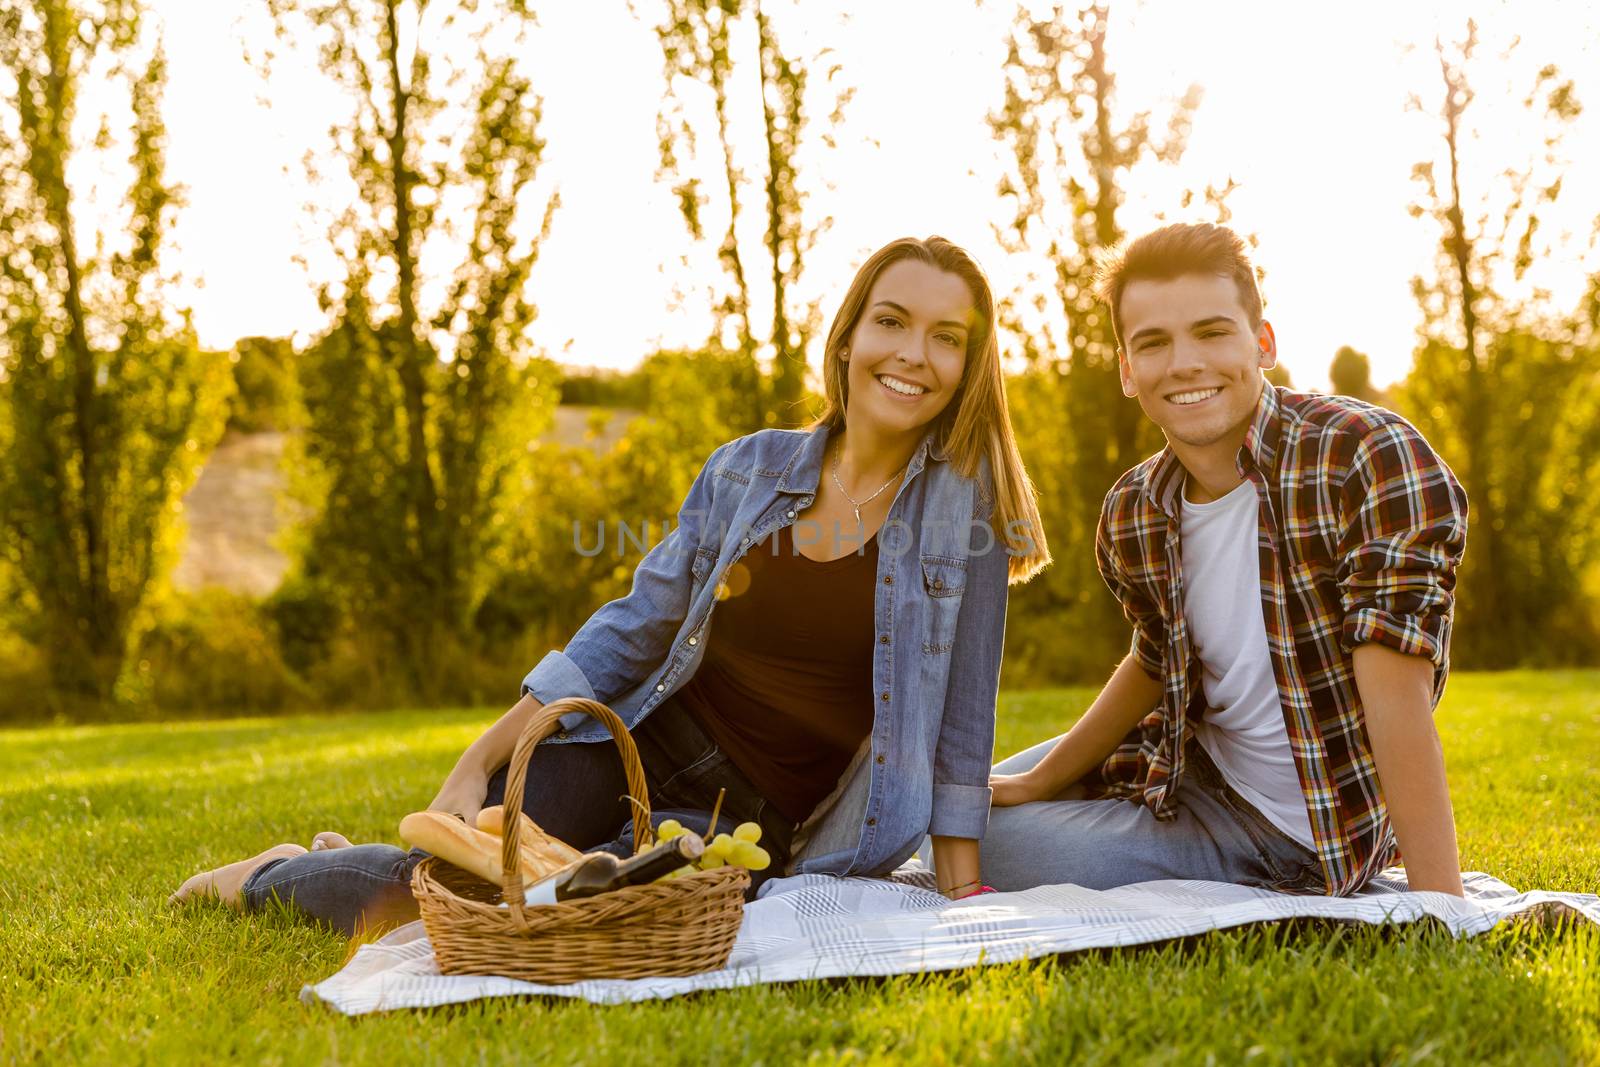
[{"x": 1243, "y": 731}]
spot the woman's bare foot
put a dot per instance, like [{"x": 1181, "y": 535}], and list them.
[
  {"x": 226, "y": 883},
  {"x": 329, "y": 839}
]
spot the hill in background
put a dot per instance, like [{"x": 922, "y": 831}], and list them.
[{"x": 237, "y": 506}]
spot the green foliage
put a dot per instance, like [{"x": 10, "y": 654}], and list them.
[
  {"x": 213, "y": 651},
  {"x": 1065, "y": 624},
  {"x": 24, "y": 679},
  {"x": 549, "y": 577},
  {"x": 698, "y": 46},
  {"x": 264, "y": 385},
  {"x": 98, "y": 970},
  {"x": 1521, "y": 599},
  {"x": 1350, "y": 373},
  {"x": 1503, "y": 388},
  {"x": 596, "y": 387},
  {"x": 416, "y": 416},
  {"x": 111, "y": 406},
  {"x": 1069, "y": 159},
  {"x": 305, "y": 619}
]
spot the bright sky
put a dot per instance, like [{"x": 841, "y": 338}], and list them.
[{"x": 1304, "y": 107}]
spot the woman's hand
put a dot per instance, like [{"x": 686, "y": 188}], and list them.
[
  {"x": 1013, "y": 789},
  {"x": 462, "y": 794},
  {"x": 466, "y": 786}
]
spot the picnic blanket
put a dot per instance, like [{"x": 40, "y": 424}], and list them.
[{"x": 819, "y": 926}]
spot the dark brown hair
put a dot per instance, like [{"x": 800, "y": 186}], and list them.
[{"x": 1175, "y": 250}]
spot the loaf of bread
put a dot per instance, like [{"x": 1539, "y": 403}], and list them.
[
  {"x": 544, "y": 846},
  {"x": 472, "y": 850}
]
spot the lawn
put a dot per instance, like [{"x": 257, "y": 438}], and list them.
[{"x": 98, "y": 824}]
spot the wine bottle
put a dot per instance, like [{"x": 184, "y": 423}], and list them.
[{"x": 601, "y": 872}]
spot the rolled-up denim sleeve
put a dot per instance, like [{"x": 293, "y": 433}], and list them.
[
  {"x": 1403, "y": 532},
  {"x": 965, "y": 751},
  {"x": 631, "y": 636}
]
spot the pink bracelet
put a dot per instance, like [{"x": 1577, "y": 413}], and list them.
[{"x": 980, "y": 891}]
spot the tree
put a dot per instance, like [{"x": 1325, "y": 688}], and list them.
[
  {"x": 1492, "y": 375},
  {"x": 572, "y": 554},
  {"x": 111, "y": 403},
  {"x": 699, "y": 40},
  {"x": 1350, "y": 373},
  {"x": 263, "y": 377},
  {"x": 420, "y": 399},
  {"x": 1069, "y": 162}
]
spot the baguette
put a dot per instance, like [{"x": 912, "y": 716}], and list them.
[
  {"x": 544, "y": 845},
  {"x": 472, "y": 850}
]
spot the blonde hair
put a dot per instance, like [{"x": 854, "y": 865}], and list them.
[{"x": 977, "y": 422}]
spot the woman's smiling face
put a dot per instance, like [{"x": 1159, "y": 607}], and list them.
[{"x": 909, "y": 348}]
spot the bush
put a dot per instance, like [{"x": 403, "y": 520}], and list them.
[
  {"x": 305, "y": 620},
  {"x": 1060, "y": 645},
  {"x": 263, "y": 376},
  {"x": 215, "y": 652},
  {"x": 24, "y": 681},
  {"x": 596, "y": 387}
]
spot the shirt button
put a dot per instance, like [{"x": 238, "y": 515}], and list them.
[
  {"x": 881, "y": 759},
  {"x": 872, "y": 822},
  {"x": 883, "y": 639},
  {"x": 888, "y": 579},
  {"x": 694, "y": 640},
  {"x": 662, "y": 688},
  {"x": 885, "y": 697},
  {"x": 791, "y": 514},
  {"x": 938, "y": 584}
]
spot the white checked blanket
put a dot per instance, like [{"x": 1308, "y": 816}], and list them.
[{"x": 818, "y": 926}]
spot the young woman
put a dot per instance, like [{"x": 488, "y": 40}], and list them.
[{"x": 857, "y": 572}]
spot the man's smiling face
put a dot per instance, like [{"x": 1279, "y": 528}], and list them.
[{"x": 1192, "y": 357}]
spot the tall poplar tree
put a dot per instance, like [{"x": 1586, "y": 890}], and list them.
[
  {"x": 110, "y": 403},
  {"x": 1497, "y": 379},
  {"x": 728, "y": 52},
  {"x": 420, "y": 398},
  {"x": 1070, "y": 153}
]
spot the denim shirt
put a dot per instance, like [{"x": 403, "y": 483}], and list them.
[{"x": 939, "y": 614}]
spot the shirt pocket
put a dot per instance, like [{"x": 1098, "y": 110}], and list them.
[
  {"x": 705, "y": 560},
  {"x": 943, "y": 580}
]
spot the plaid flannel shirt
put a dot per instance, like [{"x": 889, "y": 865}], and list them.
[{"x": 1361, "y": 529}]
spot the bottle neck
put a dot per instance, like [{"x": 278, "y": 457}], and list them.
[{"x": 661, "y": 860}]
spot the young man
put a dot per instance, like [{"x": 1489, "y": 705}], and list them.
[{"x": 1288, "y": 564}]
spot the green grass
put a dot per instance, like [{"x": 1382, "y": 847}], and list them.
[{"x": 98, "y": 824}]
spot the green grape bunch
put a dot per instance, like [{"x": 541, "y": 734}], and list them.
[{"x": 738, "y": 849}]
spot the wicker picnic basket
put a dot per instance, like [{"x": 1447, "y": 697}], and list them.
[{"x": 674, "y": 927}]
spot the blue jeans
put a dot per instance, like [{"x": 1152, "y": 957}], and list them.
[
  {"x": 1215, "y": 836},
  {"x": 574, "y": 791}
]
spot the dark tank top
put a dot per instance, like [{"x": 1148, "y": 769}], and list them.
[{"x": 785, "y": 687}]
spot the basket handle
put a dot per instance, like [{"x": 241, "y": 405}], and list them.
[{"x": 535, "y": 731}]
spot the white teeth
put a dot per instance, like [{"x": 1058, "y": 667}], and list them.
[
  {"x": 902, "y": 388},
  {"x": 1194, "y": 397}
]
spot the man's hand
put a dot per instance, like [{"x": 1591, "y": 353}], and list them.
[
  {"x": 1013, "y": 789},
  {"x": 1128, "y": 696},
  {"x": 1397, "y": 696}
]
